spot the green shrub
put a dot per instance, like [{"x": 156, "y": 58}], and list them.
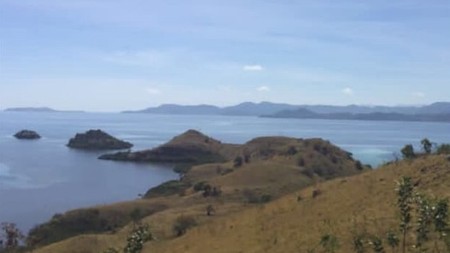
[
  {"x": 137, "y": 238},
  {"x": 443, "y": 149},
  {"x": 301, "y": 162},
  {"x": 408, "y": 151},
  {"x": 182, "y": 224},
  {"x": 358, "y": 165},
  {"x": 167, "y": 188},
  {"x": 238, "y": 161},
  {"x": 292, "y": 150},
  {"x": 200, "y": 186}
]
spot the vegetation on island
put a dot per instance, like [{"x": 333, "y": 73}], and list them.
[
  {"x": 97, "y": 140},
  {"x": 27, "y": 135}
]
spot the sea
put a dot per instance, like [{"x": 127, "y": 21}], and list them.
[{"x": 39, "y": 178}]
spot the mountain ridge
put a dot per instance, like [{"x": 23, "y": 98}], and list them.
[{"x": 266, "y": 108}]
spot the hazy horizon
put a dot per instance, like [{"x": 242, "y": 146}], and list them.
[
  {"x": 117, "y": 55},
  {"x": 219, "y": 106}
]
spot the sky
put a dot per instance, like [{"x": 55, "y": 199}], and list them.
[{"x": 113, "y": 55}]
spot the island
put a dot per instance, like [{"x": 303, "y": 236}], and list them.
[
  {"x": 97, "y": 139},
  {"x": 189, "y": 147},
  {"x": 27, "y": 135}
]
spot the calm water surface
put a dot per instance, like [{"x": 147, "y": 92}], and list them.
[{"x": 43, "y": 177}]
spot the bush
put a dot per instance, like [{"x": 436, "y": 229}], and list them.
[
  {"x": 443, "y": 149},
  {"x": 199, "y": 186},
  {"x": 292, "y": 151},
  {"x": 182, "y": 224},
  {"x": 426, "y": 145},
  {"x": 238, "y": 161},
  {"x": 253, "y": 197},
  {"x": 358, "y": 165},
  {"x": 167, "y": 188},
  {"x": 301, "y": 162},
  {"x": 408, "y": 151},
  {"x": 137, "y": 238},
  {"x": 182, "y": 168}
]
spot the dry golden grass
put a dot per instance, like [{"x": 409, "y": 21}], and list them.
[
  {"x": 357, "y": 203},
  {"x": 273, "y": 169}
]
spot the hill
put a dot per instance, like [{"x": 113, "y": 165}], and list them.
[
  {"x": 180, "y": 109},
  {"x": 269, "y": 108},
  {"x": 303, "y": 113},
  {"x": 189, "y": 147},
  {"x": 35, "y": 109},
  {"x": 30, "y": 109},
  {"x": 97, "y": 140},
  {"x": 296, "y": 222},
  {"x": 259, "y": 171}
]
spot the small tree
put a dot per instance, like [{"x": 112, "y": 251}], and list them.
[
  {"x": 404, "y": 202},
  {"x": 11, "y": 235},
  {"x": 182, "y": 224},
  {"x": 408, "y": 151},
  {"x": 424, "y": 220},
  {"x": 238, "y": 161},
  {"x": 426, "y": 145}
]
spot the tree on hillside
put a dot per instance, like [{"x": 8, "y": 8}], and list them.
[
  {"x": 11, "y": 236},
  {"x": 408, "y": 151},
  {"x": 426, "y": 145},
  {"x": 405, "y": 197}
]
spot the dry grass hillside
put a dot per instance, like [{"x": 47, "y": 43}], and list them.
[
  {"x": 292, "y": 223},
  {"x": 260, "y": 171}
]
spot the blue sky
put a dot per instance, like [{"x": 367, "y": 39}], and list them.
[{"x": 111, "y": 55}]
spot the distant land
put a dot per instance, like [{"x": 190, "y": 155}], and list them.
[
  {"x": 35, "y": 109},
  {"x": 439, "y": 111}
]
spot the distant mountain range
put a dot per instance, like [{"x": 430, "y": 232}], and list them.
[
  {"x": 439, "y": 111},
  {"x": 243, "y": 109},
  {"x": 34, "y": 109}
]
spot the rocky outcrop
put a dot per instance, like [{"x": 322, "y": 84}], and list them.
[
  {"x": 97, "y": 139},
  {"x": 189, "y": 147},
  {"x": 27, "y": 135}
]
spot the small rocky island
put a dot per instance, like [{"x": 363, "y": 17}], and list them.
[
  {"x": 27, "y": 135},
  {"x": 97, "y": 139}
]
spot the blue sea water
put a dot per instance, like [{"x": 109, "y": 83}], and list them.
[{"x": 42, "y": 177}]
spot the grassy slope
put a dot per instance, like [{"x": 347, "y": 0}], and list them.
[
  {"x": 365, "y": 201},
  {"x": 272, "y": 170}
]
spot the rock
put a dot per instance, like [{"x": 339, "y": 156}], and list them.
[
  {"x": 97, "y": 139},
  {"x": 27, "y": 135}
]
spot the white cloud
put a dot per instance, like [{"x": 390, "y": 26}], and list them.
[
  {"x": 263, "y": 89},
  {"x": 253, "y": 68},
  {"x": 153, "y": 91},
  {"x": 347, "y": 91},
  {"x": 418, "y": 94}
]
